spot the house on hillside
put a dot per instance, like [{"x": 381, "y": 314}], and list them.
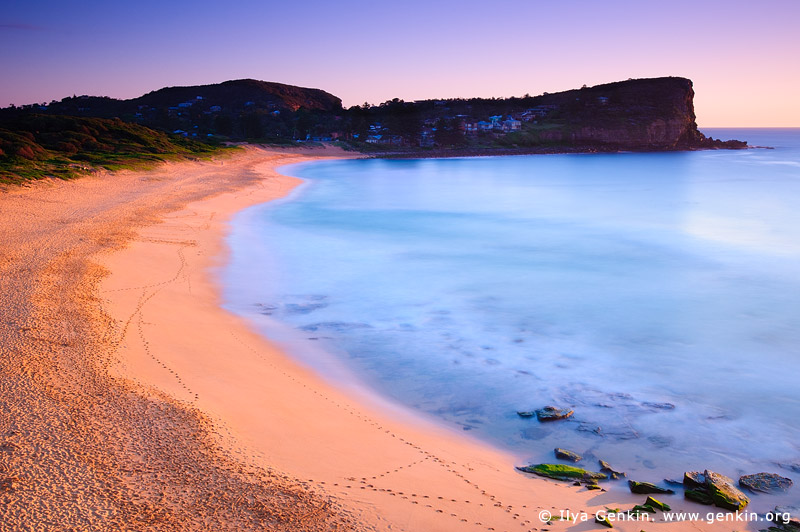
[
  {"x": 485, "y": 126},
  {"x": 426, "y": 138},
  {"x": 510, "y": 124},
  {"x": 471, "y": 127},
  {"x": 385, "y": 140}
]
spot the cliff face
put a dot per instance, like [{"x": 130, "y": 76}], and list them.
[
  {"x": 674, "y": 133},
  {"x": 654, "y": 114},
  {"x": 635, "y": 114}
]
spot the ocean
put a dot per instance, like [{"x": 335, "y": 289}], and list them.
[{"x": 655, "y": 294}]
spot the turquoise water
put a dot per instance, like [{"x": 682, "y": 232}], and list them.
[{"x": 657, "y": 294}]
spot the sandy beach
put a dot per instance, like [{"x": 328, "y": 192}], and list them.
[{"x": 130, "y": 400}]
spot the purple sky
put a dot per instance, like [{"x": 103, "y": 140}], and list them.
[{"x": 742, "y": 56}]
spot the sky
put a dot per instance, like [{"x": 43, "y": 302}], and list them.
[{"x": 741, "y": 55}]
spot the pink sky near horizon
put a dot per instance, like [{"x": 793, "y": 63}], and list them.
[{"x": 741, "y": 56}]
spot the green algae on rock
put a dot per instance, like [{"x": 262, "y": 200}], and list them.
[
  {"x": 562, "y": 472},
  {"x": 723, "y": 493},
  {"x": 644, "y": 488}
]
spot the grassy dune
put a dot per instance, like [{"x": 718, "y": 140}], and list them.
[{"x": 37, "y": 146}]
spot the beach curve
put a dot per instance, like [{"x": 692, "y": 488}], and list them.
[{"x": 172, "y": 378}]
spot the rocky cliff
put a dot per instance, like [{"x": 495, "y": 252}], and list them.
[
  {"x": 637, "y": 114},
  {"x": 656, "y": 114}
]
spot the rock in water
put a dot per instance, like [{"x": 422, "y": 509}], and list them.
[
  {"x": 787, "y": 515},
  {"x": 694, "y": 479},
  {"x": 562, "y": 472},
  {"x": 552, "y": 413},
  {"x": 526, "y": 414},
  {"x": 699, "y": 495},
  {"x": 765, "y": 482},
  {"x": 645, "y": 488},
  {"x": 563, "y": 454},
  {"x": 723, "y": 493},
  {"x": 605, "y": 467}
]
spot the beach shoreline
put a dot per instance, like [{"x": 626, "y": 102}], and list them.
[{"x": 335, "y": 461}]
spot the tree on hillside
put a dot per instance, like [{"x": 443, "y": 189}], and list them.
[
  {"x": 447, "y": 133},
  {"x": 251, "y": 126}
]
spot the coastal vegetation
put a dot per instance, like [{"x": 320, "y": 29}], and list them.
[
  {"x": 33, "y": 146},
  {"x": 80, "y": 133}
]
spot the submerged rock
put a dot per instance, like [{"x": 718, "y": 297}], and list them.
[
  {"x": 552, "y": 413},
  {"x": 787, "y": 515},
  {"x": 585, "y": 427},
  {"x": 659, "y": 406},
  {"x": 562, "y": 472},
  {"x": 526, "y": 414},
  {"x": 302, "y": 308},
  {"x": 723, "y": 493},
  {"x": 605, "y": 467},
  {"x": 765, "y": 482},
  {"x": 267, "y": 310},
  {"x": 563, "y": 454},
  {"x": 337, "y": 326},
  {"x": 534, "y": 433},
  {"x": 644, "y": 488}
]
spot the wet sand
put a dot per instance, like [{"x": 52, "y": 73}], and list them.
[{"x": 132, "y": 401}]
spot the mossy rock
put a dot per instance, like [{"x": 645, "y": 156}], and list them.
[
  {"x": 642, "y": 509},
  {"x": 699, "y": 495},
  {"x": 645, "y": 488},
  {"x": 787, "y": 515},
  {"x": 563, "y": 454},
  {"x": 603, "y": 521},
  {"x": 562, "y": 472},
  {"x": 724, "y": 493},
  {"x": 784, "y": 527},
  {"x": 655, "y": 503}
]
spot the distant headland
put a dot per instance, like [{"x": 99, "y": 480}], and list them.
[{"x": 64, "y": 138}]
